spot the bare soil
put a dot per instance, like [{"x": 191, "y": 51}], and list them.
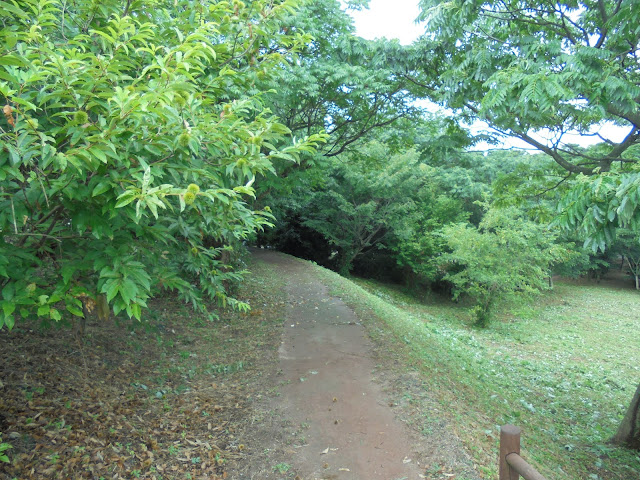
[
  {"x": 342, "y": 407},
  {"x": 293, "y": 389}
]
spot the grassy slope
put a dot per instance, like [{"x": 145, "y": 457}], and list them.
[{"x": 562, "y": 367}]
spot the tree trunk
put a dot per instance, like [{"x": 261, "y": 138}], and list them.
[
  {"x": 81, "y": 324},
  {"x": 637, "y": 282},
  {"x": 628, "y": 433},
  {"x": 347, "y": 261},
  {"x": 102, "y": 308}
]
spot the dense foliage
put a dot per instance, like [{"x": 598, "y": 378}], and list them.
[
  {"x": 135, "y": 135},
  {"x": 539, "y": 70},
  {"x": 507, "y": 254},
  {"x": 544, "y": 72},
  {"x": 131, "y": 137},
  {"x": 340, "y": 83}
]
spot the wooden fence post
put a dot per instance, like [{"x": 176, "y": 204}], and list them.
[{"x": 509, "y": 443}]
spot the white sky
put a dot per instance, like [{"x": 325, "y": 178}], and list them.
[
  {"x": 389, "y": 19},
  {"x": 396, "y": 19}
]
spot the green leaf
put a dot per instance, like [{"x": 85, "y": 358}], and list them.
[
  {"x": 111, "y": 289},
  {"x": 146, "y": 180},
  {"x": 67, "y": 272},
  {"x": 136, "y": 311},
  {"x": 99, "y": 154},
  {"x": 8, "y": 308},
  {"x": 12, "y": 60},
  {"x": 128, "y": 290},
  {"x": 125, "y": 199},
  {"x": 74, "y": 310},
  {"x": 8, "y": 292},
  {"x": 101, "y": 188}
]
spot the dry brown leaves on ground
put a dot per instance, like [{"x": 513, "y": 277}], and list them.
[{"x": 163, "y": 399}]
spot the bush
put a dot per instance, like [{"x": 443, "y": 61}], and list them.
[
  {"x": 506, "y": 255},
  {"x": 132, "y": 136}
]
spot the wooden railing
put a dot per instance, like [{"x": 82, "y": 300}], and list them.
[{"x": 512, "y": 465}]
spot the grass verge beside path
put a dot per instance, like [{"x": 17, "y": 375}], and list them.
[{"x": 562, "y": 367}]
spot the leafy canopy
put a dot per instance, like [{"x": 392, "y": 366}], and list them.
[
  {"x": 545, "y": 66},
  {"x": 131, "y": 137},
  {"x": 365, "y": 199},
  {"x": 340, "y": 83}
]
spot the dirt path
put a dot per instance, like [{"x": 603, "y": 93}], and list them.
[
  {"x": 248, "y": 397},
  {"x": 350, "y": 432}
]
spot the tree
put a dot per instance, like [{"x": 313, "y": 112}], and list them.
[
  {"x": 364, "y": 200},
  {"x": 631, "y": 253},
  {"x": 629, "y": 431},
  {"x": 388, "y": 186},
  {"x": 417, "y": 234},
  {"x": 339, "y": 83},
  {"x": 530, "y": 67},
  {"x": 548, "y": 68},
  {"x": 506, "y": 255},
  {"x": 131, "y": 139}
]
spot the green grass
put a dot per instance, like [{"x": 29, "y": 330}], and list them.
[{"x": 562, "y": 366}]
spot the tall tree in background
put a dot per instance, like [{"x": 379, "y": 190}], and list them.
[
  {"x": 339, "y": 83},
  {"x": 366, "y": 200}
]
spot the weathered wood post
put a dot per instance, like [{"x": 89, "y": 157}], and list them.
[{"x": 509, "y": 443}]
